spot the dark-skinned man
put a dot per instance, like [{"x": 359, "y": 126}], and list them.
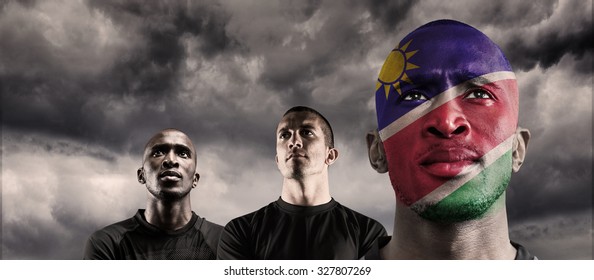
[{"x": 167, "y": 228}]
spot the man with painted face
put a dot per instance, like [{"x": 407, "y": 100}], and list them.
[
  {"x": 305, "y": 222},
  {"x": 168, "y": 228},
  {"x": 448, "y": 135}
]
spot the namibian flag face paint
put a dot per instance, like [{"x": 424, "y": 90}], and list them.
[{"x": 447, "y": 109}]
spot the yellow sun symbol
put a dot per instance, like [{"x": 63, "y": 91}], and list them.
[{"x": 394, "y": 69}]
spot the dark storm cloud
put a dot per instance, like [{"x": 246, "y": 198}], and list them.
[
  {"x": 570, "y": 234},
  {"x": 550, "y": 46},
  {"x": 57, "y": 146},
  {"x": 43, "y": 93},
  {"x": 154, "y": 64},
  {"x": 389, "y": 13},
  {"x": 556, "y": 177},
  {"x": 164, "y": 22},
  {"x": 569, "y": 34},
  {"x": 26, "y": 3},
  {"x": 329, "y": 39},
  {"x": 563, "y": 185},
  {"x": 509, "y": 14}
]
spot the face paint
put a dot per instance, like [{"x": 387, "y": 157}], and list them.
[{"x": 447, "y": 116}]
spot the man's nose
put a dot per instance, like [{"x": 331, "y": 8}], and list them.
[
  {"x": 447, "y": 121},
  {"x": 170, "y": 160},
  {"x": 295, "y": 141}
]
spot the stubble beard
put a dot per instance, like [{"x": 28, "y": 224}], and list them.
[
  {"x": 296, "y": 174},
  {"x": 472, "y": 208},
  {"x": 296, "y": 171}
]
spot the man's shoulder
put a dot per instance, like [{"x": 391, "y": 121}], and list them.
[
  {"x": 103, "y": 243},
  {"x": 369, "y": 229},
  {"x": 244, "y": 225},
  {"x": 377, "y": 245},
  {"x": 208, "y": 226},
  {"x": 211, "y": 232},
  {"x": 355, "y": 215},
  {"x": 209, "y": 229},
  {"x": 250, "y": 218},
  {"x": 237, "y": 235},
  {"x": 116, "y": 230},
  {"x": 522, "y": 253}
]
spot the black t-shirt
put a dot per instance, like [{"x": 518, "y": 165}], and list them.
[
  {"x": 373, "y": 254},
  {"x": 284, "y": 231},
  {"x": 135, "y": 238}
]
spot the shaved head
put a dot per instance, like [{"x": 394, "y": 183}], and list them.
[{"x": 161, "y": 134}]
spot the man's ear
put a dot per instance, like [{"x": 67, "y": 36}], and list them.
[
  {"x": 140, "y": 175},
  {"x": 519, "y": 148},
  {"x": 331, "y": 156},
  {"x": 375, "y": 150},
  {"x": 195, "y": 180}
]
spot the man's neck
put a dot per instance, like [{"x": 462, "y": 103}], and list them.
[
  {"x": 308, "y": 191},
  {"x": 417, "y": 238},
  {"x": 168, "y": 215}
]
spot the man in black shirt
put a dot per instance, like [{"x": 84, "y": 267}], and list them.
[
  {"x": 168, "y": 228},
  {"x": 305, "y": 222}
]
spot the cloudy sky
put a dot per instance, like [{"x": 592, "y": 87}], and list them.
[{"x": 84, "y": 84}]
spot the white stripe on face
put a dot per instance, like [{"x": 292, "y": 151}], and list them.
[
  {"x": 441, "y": 99},
  {"x": 466, "y": 175}
]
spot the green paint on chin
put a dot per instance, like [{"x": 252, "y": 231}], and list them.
[{"x": 473, "y": 199}]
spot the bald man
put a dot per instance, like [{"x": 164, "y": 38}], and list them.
[
  {"x": 448, "y": 135},
  {"x": 168, "y": 228}
]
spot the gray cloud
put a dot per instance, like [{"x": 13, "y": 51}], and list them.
[
  {"x": 85, "y": 84},
  {"x": 389, "y": 14},
  {"x": 48, "y": 91},
  {"x": 570, "y": 234},
  {"x": 553, "y": 35},
  {"x": 509, "y": 14}
]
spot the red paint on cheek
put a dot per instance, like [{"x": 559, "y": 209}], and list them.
[
  {"x": 496, "y": 121},
  {"x": 476, "y": 126}
]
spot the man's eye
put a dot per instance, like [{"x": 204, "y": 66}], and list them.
[
  {"x": 157, "y": 153},
  {"x": 184, "y": 154},
  {"x": 479, "y": 94},
  {"x": 306, "y": 132},
  {"x": 284, "y": 135},
  {"x": 414, "y": 96}
]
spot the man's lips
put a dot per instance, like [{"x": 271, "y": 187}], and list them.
[
  {"x": 448, "y": 162},
  {"x": 290, "y": 156},
  {"x": 170, "y": 175}
]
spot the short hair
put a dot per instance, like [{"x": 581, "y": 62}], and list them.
[{"x": 326, "y": 127}]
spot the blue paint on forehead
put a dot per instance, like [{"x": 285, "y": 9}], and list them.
[{"x": 448, "y": 53}]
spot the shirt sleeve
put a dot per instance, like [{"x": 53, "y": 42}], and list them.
[
  {"x": 99, "y": 246},
  {"x": 235, "y": 242},
  {"x": 371, "y": 230}
]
